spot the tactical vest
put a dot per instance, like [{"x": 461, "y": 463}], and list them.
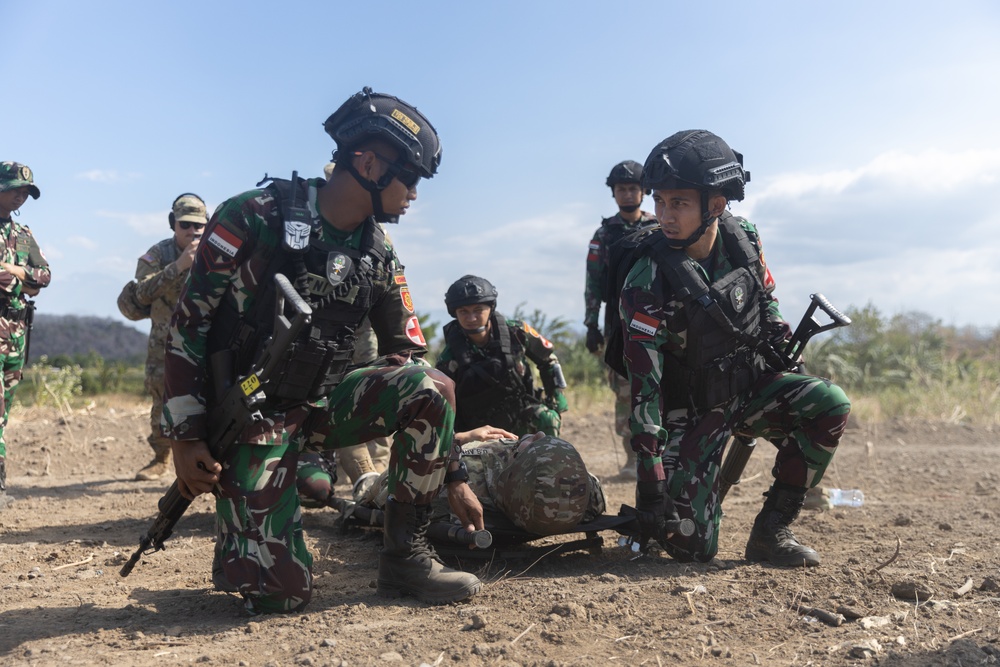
[
  {"x": 340, "y": 284},
  {"x": 613, "y": 234},
  {"x": 725, "y": 318},
  {"x": 489, "y": 390}
]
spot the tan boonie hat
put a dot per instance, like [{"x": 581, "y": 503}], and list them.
[
  {"x": 189, "y": 208},
  {"x": 15, "y": 175}
]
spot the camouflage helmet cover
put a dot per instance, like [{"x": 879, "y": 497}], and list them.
[
  {"x": 371, "y": 115},
  {"x": 15, "y": 175},
  {"x": 695, "y": 159},
  {"x": 546, "y": 489},
  {"x": 470, "y": 290}
]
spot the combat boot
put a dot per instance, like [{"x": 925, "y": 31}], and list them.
[
  {"x": 5, "y": 500},
  {"x": 771, "y": 539},
  {"x": 156, "y": 468},
  {"x": 409, "y": 565}
]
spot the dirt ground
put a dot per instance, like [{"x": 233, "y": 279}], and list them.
[{"x": 915, "y": 572}]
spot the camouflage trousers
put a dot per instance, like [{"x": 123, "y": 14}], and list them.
[
  {"x": 803, "y": 416},
  {"x": 623, "y": 409},
  {"x": 154, "y": 385},
  {"x": 11, "y": 365},
  {"x": 261, "y": 543}
]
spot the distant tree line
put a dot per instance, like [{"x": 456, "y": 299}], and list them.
[{"x": 66, "y": 339}]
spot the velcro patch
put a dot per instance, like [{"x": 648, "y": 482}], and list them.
[
  {"x": 644, "y": 324},
  {"x": 413, "y": 331},
  {"x": 225, "y": 241},
  {"x": 404, "y": 294}
]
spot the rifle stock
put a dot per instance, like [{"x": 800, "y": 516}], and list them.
[
  {"x": 741, "y": 447},
  {"x": 237, "y": 409}
]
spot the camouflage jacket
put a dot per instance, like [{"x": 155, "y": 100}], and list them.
[
  {"x": 611, "y": 230},
  {"x": 655, "y": 324},
  {"x": 526, "y": 343},
  {"x": 154, "y": 294},
  {"x": 231, "y": 265},
  {"x": 20, "y": 249}
]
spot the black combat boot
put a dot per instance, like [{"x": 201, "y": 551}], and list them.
[
  {"x": 409, "y": 565},
  {"x": 5, "y": 500},
  {"x": 771, "y": 539}
]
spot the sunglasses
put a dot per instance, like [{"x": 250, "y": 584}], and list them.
[
  {"x": 187, "y": 224},
  {"x": 405, "y": 172}
]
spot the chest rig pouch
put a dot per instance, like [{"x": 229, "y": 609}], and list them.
[
  {"x": 724, "y": 324},
  {"x": 488, "y": 390},
  {"x": 339, "y": 284}
]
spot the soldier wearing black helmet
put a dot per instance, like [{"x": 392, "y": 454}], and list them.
[
  {"x": 345, "y": 268},
  {"x": 487, "y": 354},
  {"x": 624, "y": 181},
  {"x": 698, "y": 311}
]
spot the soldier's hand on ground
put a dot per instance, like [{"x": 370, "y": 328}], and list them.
[
  {"x": 654, "y": 509},
  {"x": 197, "y": 471},
  {"x": 595, "y": 339},
  {"x": 483, "y": 433},
  {"x": 466, "y": 506},
  {"x": 186, "y": 258}
]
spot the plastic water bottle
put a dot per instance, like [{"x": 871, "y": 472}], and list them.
[{"x": 846, "y": 497}]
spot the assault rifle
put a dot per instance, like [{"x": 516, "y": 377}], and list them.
[
  {"x": 741, "y": 447},
  {"x": 238, "y": 408}
]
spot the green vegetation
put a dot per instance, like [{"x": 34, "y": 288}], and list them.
[{"x": 908, "y": 366}]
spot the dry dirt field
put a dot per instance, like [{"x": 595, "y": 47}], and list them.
[{"x": 915, "y": 572}]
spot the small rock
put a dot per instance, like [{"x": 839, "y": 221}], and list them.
[
  {"x": 391, "y": 656},
  {"x": 609, "y": 578},
  {"x": 910, "y": 591},
  {"x": 902, "y": 520},
  {"x": 569, "y": 609},
  {"x": 989, "y": 584},
  {"x": 308, "y": 661},
  {"x": 870, "y": 622},
  {"x": 866, "y": 649},
  {"x": 328, "y": 642},
  {"x": 849, "y": 612},
  {"x": 944, "y": 526},
  {"x": 477, "y": 622},
  {"x": 204, "y": 658}
]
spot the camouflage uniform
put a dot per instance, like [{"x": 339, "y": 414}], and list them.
[
  {"x": 518, "y": 409},
  {"x": 262, "y": 549},
  {"x": 803, "y": 416},
  {"x": 611, "y": 230},
  {"x": 564, "y": 495},
  {"x": 153, "y": 294},
  {"x": 19, "y": 249}
]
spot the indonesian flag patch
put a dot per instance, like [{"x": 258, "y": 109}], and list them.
[
  {"x": 414, "y": 333},
  {"x": 592, "y": 254},
  {"x": 644, "y": 324},
  {"x": 225, "y": 241}
]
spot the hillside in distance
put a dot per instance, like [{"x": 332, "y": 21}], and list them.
[{"x": 76, "y": 335}]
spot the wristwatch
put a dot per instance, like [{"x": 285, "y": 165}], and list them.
[{"x": 459, "y": 475}]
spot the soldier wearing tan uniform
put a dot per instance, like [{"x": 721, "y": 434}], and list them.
[{"x": 159, "y": 279}]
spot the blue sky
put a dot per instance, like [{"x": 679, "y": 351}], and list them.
[{"x": 869, "y": 129}]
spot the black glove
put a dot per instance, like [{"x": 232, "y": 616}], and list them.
[
  {"x": 595, "y": 339},
  {"x": 655, "y": 511}
]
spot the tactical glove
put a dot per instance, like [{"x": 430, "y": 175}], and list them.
[
  {"x": 595, "y": 339},
  {"x": 558, "y": 402},
  {"x": 655, "y": 511}
]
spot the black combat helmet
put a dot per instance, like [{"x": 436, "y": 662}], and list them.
[
  {"x": 470, "y": 290},
  {"x": 699, "y": 160},
  {"x": 695, "y": 159},
  {"x": 628, "y": 171},
  {"x": 370, "y": 115}
]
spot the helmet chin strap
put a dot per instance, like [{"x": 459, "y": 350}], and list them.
[
  {"x": 375, "y": 192},
  {"x": 706, "y": 220},
  {"x": 629, "y": 209}
]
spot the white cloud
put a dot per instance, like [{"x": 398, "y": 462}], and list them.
[
  {"x": 82, "y": 242},
  {"x": 147, "y": 224},
  {"x": 107, "y": 176}
]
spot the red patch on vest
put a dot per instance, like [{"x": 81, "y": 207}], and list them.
[
  {"x": 413, "y": 331},
  {"x": 404, "y": 294}
]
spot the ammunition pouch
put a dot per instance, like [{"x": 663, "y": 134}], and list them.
[
  {"x": 8, "y": 312},
  {"x": 312, "y": 368}
]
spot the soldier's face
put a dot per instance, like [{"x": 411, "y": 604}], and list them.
[
  {"x": 186, "y": 231},
  {"x": 11, "y": 200},
  {"x": 627, "y": 194},
  {"x": 473, "y": 317},
  {"x": 678, "y": 212}
]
